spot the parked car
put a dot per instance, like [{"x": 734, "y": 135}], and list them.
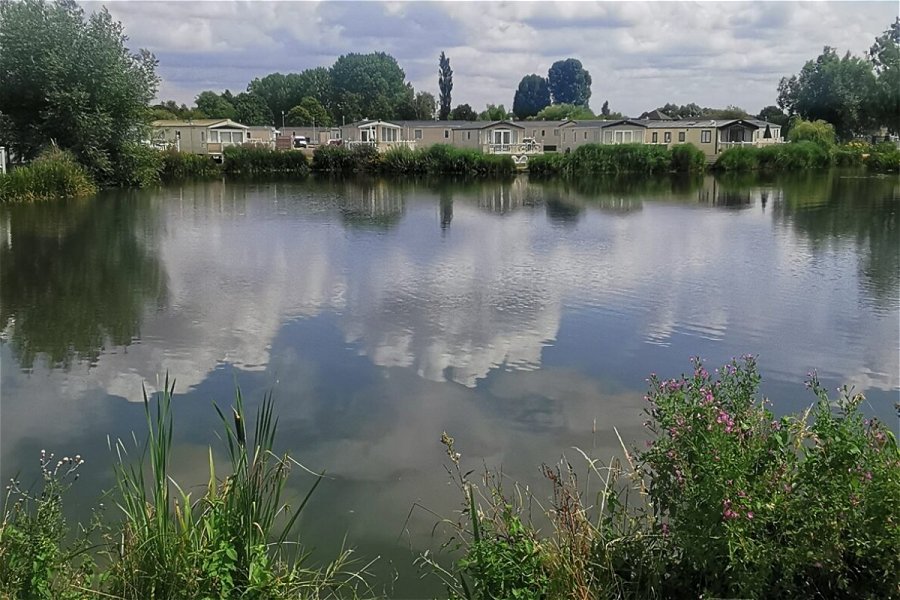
[{"x": 300, "y": 142}]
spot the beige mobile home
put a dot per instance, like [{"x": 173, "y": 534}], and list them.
[
  {"x": 713, "y": 136},
  {"x": 623, "y": 131},
  {"x": 200, "y": 136}
]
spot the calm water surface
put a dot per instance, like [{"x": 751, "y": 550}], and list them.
[{"x": 521, "y": 317}]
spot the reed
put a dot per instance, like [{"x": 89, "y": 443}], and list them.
[
  {"x": 258, "y": 160},
  {"x": 54, "y": 175}
]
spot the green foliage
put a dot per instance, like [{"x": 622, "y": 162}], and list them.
[
  {"x": 138, "y": 165},
  {"x": 620, "y": 158},
  {"x": 309, "y": 112},
  {"x": 794, "y": 156},
  {"x": 463, "y": 112},
  {"x": 341, "y": 159},
  {"x": 425, "y": 106},
  {"x": 560, "y": 112},
  {"x": 819, "y": 132},
  {"x": 251, "y": 109},
  {"x": 439, "y": 159},
  {"x": 755, "y": 506},
  {"x": 54, "y": 175},
  {"x": 184, "y": 165},
  {"x": 40, "y": 558},
  {"x": 885, "y": 58},
  {"x": 73, "y": 81},
  {"x": 532, "y": 96},
  {"x": 569, "y": 82},
  {"x": 884, "y": 158},
  {"x": 494, "y": 113},
  {"x": 834, "y": 89},
  {"x": 725, "y": 501},
  {"x": 445, "y": 85},
  {"x": 686, "y": 158},
  {"x": 370, "y": 86},
  {"x": 214, "y": 106},
  {"x": 257, "y": 160},
  {"x": 592, "y": 159}
]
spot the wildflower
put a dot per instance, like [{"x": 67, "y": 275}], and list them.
[{"x": 750, "y": 515}]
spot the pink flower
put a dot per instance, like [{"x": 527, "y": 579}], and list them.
[{"x": 750, "y": 515}]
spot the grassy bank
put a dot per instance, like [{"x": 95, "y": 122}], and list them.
[
  {"x": 724, "y": 501},
  {"x": 804, "y": 155},
  {"x": 235, "y": 539},
  {"x": 439, "y": 159},
  {"x": 54, "y": 175},
  {"x": 593, "y": 159}
]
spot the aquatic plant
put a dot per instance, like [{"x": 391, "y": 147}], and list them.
[{"x": 54, "y": 175}]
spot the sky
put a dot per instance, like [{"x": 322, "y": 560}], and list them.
[{"x": 640, "y": 54}]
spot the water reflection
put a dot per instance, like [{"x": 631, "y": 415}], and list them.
[
  {"x": 514, "y": 314},
  {"x": 77, "y": 277}
]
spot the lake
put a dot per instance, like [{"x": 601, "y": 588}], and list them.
[{"x": 522, "y": 317}]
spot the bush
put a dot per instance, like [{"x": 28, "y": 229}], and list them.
[
  {"x": 819, "y": 132},
  {"x": 333, "y": 159},
  {"x": 183, "y": 165},
  {"x": 776, "y": 157},
  {"x": 754, "y": 506},
  {"x": 137, "y": 165},
  {"x": 548, "y": 164},
  {"x": 619, "y": 158},
  {"x": 258, "y": 160},
  {"x": 55, "y": 174},
  {"x": 725, "y": 501},
  {"x": 687, "y": 158},
  {"x": 884, "y": 157}
]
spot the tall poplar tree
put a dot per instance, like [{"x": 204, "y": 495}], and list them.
[{"x": 445, "y": 84}]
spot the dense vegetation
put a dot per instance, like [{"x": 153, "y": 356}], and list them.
[
  {"x": 71, "y": 80},
  {"x": 591, "y": 159},
  {"x": 724, "y": 501},
  {"x": 55, "y": 174},
  {"x": 234, "y": 539},
  {"x": 438, "y": 159}
]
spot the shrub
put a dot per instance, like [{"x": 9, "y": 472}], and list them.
[
  {"x": 40, "y": 557},
  {"x": 548, "y": 164},
  {"x": 55, "y": 174},
  {"x": 884, "y": 157},
  {"x": 257, "y": 160},
  {"x": 183, "y": 165},
  {"x": 687, "y": 158},
  {"x": 333, "y": 159},
  {"x": 726, "y": 500},
  {"x": 819, "y": 132},
  {"x": 794, "y": 156},
  {"x": 619, "y": 158},
  {"x": 738, "y": 158},
  {"x": 137, "y": 165}
]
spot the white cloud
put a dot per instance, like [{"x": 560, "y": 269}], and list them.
[{"x": 640, "y": 54}]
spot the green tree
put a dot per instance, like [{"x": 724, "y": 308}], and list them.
[
  {"x": 72, "y": 80},
  {"x": 560, "y": 112},
  {"x": 493, "y": 113},
  {"x": 280, "y": 92},
  {"x": 775, "y": 115},
  {"x": 214, "y": 106},
  {"x": 251, "y": 109},
  {"x": 309, "y": 112},
  {"x": 820, "y": 132},
  {"x": 445, "y": 85},
  {"x": 463, "y": 112},
  {"x": 885, "y": 58},
  {"x": 833, "y": 89},
  {"x": 532, "y": 96},
  {"x": 569, "y": 82},
  {"x": 604, "y": 110},
  {"x": 370, "y": 86},
  {"x": 425, "y": 106},
  {"x": 729, "y": 112}
]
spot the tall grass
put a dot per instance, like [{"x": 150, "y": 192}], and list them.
[
  {"x": 794, "y": 156},
  {"x": 604, "y": 159},
  {"x": 439, "y": 159},
  {"x": 235, "y": 538},
  {"x": 54, "y": 175},
  {"x": 258, "y": 160},
  {"x": 184, "y": 165}
]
